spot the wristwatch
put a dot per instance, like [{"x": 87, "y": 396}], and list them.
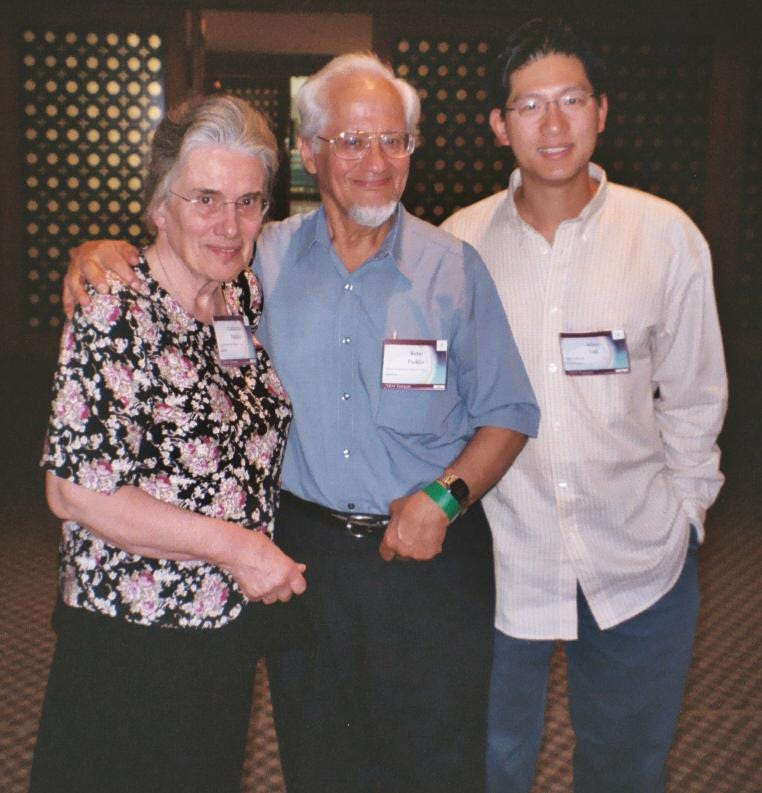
[{"x": 457, "y": 487}]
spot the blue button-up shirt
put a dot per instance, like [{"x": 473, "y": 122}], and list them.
[{"x": 353, "y": 444}]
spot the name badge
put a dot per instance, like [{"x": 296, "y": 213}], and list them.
[
  {"x": 235, "y": 345},
  {"x": 415, "y": 363},
  {"x": 599, "y": 352}
]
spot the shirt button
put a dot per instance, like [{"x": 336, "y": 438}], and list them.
[
  {"x": 552, "y": 367},
  {"x": 563, "y": 485},
  {"x": 350, "y": 505},
  {"x": 345, "y": 452},
  {"x": 348, "y": 287},
  {"x": 346, "y": 340},
  {"x": 554, "y": 310},
  {"x": 344, "y": 397}
]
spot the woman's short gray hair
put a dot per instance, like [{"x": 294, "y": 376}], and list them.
[
  {"x": 218, "y": 120},
  {"x": 310, "y": 101}
]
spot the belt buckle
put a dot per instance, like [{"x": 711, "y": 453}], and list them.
[
  {"x": 359, "y": 530},
  {"x": 360, "y": 526}
]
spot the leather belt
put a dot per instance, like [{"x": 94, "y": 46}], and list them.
[{"x": 357, "y": 524}]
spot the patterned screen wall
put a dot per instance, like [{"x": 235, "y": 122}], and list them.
[
  {"x": 657, "y": 129},
  {"x": 748, "y": 296},
  {"x": 89, "y": 100},
  {"x": 268, "y": 99},
  {"x": 456, "y": 162},
  {"x": 655, "y": 138}
]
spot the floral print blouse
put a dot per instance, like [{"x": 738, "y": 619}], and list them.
[{"x": 141, "y": 398}]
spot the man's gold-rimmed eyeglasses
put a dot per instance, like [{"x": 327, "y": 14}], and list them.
[{"x": 355, "y": 145}]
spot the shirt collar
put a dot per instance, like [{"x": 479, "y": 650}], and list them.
[
  {"x": 585, "y": 217},
  {"x": 391, "y": 247}
]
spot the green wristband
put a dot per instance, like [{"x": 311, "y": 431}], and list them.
[{"x": 443, "y": 498}]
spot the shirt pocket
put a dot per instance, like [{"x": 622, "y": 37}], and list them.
[
  {"x": 620, "y": 401},
  {"x": 417, "y": 411}
]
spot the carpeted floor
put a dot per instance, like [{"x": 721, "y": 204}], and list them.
[{"x": 718, "y": 747}]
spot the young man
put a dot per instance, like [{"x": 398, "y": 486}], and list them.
[{"x": 609, "y": 293}]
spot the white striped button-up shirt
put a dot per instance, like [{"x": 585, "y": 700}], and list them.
[{"x": 624, "y": 462}]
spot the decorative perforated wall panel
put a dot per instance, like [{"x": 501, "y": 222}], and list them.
[
  {"x": 657, "y": 128},
  {"x": 89, "y": 101},
  {"x": 456, "y": 163},
  {"x": 749, "y": 289},
  {"x": 655, "y": 140},
  {"x": 267, "y": 99}
]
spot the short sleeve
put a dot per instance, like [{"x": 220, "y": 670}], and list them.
[
  {"x": 491, "y": 376},
  {"x": 101, "y": 393}
]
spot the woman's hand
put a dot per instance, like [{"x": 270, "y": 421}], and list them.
[
  {"x": 137, "y": 522},
  {"x": 263, "y": 571},
  {"x": 88, "y": 264}
]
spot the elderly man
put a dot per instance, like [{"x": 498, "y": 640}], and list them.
[
  {"x": 596, "y": 528},
  {"x": 410, "y": 402}
]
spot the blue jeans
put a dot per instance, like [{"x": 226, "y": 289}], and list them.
[{"x": 625, "y": 690}]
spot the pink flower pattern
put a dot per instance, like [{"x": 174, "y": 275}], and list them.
[
  {"x": 201, "y": 457},
  {"x": 210, "y": 598},
  {"x": 70, "y": 407},
  {"x": 174, "y": 366},
  {"x": 118, "y": 378},
  {"x": 230, "y": 502},
  {"x": 261, "y": 448},
  {"x": 142, "y": 593},
  {"x": 140, "y": 399}
]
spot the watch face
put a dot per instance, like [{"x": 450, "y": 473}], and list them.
[{"x": 460, "y": 490}]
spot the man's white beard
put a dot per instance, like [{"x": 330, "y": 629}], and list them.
[{"x": 372, "y": 216}]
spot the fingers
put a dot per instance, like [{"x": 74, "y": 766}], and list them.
[
  {"x": 120, "y": 260},
  {"x": 385, "y": 551},
  {"x": 281, "y": 594},
  {"x": 127, "y": 251},
  {"x": 89, "y": 263},
  {"x": 73, "y": 293},
  {"x": 281, "y": 587},
  {"x": 92, "y": 270},
  {"x": 419, "y": 549}
]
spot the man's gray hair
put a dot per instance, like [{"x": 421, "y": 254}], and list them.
[
  {"x": 219, "y": 120},
  {"x": 310, "y": 99}
]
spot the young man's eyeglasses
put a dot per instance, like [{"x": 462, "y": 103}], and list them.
[{"x": 569, "y": 103}]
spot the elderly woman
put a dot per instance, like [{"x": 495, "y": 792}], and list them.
[{"x": 162, "y": 459}]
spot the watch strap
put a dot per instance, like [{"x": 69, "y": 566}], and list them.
[{"x": 443, "y": 498}]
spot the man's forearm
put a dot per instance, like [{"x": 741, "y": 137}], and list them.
[{"x": 485, "y": 459}]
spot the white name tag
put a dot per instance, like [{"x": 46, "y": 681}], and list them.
[
  {"x": 235, "y": 345},
  {"x": 415, "y": 363},
  {"x": 599, "y": 352}
]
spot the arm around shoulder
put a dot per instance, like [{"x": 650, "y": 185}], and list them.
[{"x": 89, "y": 262}]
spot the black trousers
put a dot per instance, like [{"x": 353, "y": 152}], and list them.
[
  {"x": 132, "y": 709},
  {"x": 391, "y": 696}
]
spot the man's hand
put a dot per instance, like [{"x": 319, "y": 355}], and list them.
[
  {"x": 416, "y": 530},
  {"x": 88, "y": 264}
]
